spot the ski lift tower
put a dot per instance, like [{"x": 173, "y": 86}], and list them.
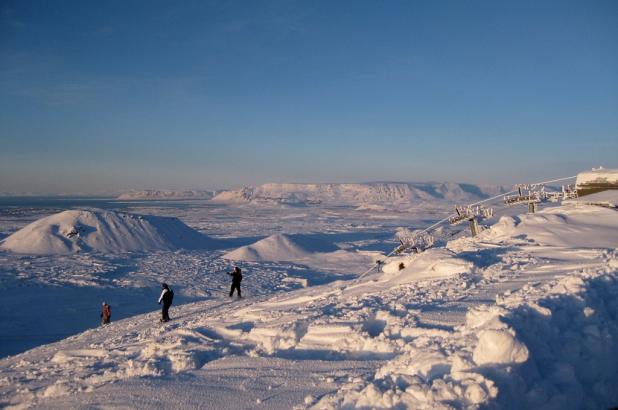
[
  {"x": 532, "y": 198},
  {"x": 416, "y": 243},
  {"x": 471, "y": 214}
]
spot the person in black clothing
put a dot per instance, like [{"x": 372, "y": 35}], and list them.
[
  {"x": 236, "y": 279},
  {"x": 167, "y": 295},
  {"x": 106, "y": 314}
]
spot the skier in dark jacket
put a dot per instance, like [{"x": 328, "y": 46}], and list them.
[
  {"x": 236, "y": 279},
  {"x": 106, "y": 314},
  {"x": 167, "y": 295}
]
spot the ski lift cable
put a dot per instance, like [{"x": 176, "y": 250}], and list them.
[
  {"x": 513, "y": 191},
  {"x": 441, "y": 221}
]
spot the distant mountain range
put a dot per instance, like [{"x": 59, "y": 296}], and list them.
[
  {"x": 361, "y": 194},
  {"x": 153, "y": 194},
  {"x": 358, "y": 194}
]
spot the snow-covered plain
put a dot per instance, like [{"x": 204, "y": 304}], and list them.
[{"x": 524, "y": 315}]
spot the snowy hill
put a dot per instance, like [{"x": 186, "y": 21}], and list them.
[
  {"x": 305, "y": 250},
  {"x": 522, "y": 316},
  {"x": 280, "y": 247},
  {"x": 359, "y": 194},
  {"x": 151, "y": 194},
  {"x": 101, "y": 231}
]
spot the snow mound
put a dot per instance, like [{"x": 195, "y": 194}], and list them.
[
  {"x": 577, "y": 227},
  {"x": 433, "y": 264},
  {"x": 281, "y": 247},
  {"x": 102, "y": 231}
]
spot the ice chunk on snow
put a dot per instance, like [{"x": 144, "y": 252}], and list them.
[{"x": 499, "y": 347}]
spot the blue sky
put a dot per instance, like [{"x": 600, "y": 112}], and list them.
[{"x": 107, "y": 96}]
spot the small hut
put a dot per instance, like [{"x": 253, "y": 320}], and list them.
[
  {"x": 597, "y": 187},
  {"x": 597, "y": 180}
]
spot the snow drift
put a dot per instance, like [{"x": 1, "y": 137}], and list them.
[
  {"x": 551, "y": 347},
  {"x": 281, "y": 247},
  {"x": 572, "y": 226},
  {"x": 102, "y": 231}
]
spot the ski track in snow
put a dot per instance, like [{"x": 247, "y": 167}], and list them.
[{"x": 452, "y": 329}]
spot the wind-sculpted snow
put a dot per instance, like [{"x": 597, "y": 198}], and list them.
[
  {"x": 496, "y": 321},
  {"x": 365, "y": 194},
  {"x": 572, "y": 226},
  {"x": 550, "y": 346},
  {"x": 101, "y": 231}
]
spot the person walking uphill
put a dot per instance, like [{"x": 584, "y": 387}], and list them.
[
  {"x": 106, "y": 314},
  {"x": 167, "y": 296},
  {"x": 236, "y": 279}
]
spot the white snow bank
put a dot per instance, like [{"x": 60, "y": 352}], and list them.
[
  {"x": 578, "y": 227},
  {"x": 102, "y": 231},
  {"x": 552, "y": 346},
  {"x": 435, "y": 263},
  {"x": 281, "y": 247}
]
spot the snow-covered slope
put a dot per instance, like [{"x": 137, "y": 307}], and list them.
[
  {"x": 584, "y": 227},
  {"x": 359, "y": 194},
  {"x": 152, "y": 194},
  {"x": 101, "y": 231},
  {"x": 510, "y": 319}
]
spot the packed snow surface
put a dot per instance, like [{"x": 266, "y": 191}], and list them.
[
  {"x": 525, "y": 315},
  {"x": 102, "y": 231}
]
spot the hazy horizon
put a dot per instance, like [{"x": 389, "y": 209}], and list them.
[
  {"x": 114, "y": 96},
  {"x": 113, "y": 193}
]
